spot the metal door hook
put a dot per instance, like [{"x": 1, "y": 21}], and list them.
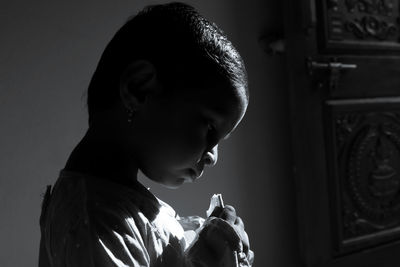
[{"x": 333, "y": 67}]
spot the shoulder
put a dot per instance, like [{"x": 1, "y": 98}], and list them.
[
  {"x": 79, "y": 198},
  {"x": 87, "y": 218}
]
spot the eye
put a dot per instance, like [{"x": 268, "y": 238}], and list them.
[
  {"x": 210, "y": 127},
  {"x": 212, "y": 134}
]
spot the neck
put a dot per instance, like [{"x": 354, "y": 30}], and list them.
[{"x": 103, "y": 159}]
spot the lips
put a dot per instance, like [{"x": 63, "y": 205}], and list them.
[
  {"x": 199, "y": 173},
  {"x": 196, "y": 173}
]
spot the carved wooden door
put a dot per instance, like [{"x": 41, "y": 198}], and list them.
[{"x": 344, "y": 78}]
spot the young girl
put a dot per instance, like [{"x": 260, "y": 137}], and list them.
[{"x": 169, "y": 86}]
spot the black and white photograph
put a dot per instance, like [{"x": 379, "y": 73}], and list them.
[{"x": 213, "y": 133}]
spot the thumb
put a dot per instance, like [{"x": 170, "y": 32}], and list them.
[{"x": 229, "y": 258}]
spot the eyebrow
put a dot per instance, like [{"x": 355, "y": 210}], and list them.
[{"x": 215, "y": 117}]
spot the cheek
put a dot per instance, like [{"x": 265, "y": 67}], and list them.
[
  {"x": 185, "y": 142},
  {"x": 174, "y": 138}
]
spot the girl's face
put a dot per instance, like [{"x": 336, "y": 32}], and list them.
[{"x": 177, "y": 135}]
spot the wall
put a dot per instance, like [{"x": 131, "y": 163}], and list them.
[{"x": 48, "y": 52}]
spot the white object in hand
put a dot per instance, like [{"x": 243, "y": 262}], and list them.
[{"x": 216, "y": 201}]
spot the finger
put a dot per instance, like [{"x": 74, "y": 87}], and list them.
[
  {"x": 220, "y": 234},
  {"x": 220, "y": 228},
  {"x": 250, "y": 256},
  {"x": 229, "y": 214},
  {"x": 216, "y": 212},
  {"x": 239, "y": 225},
  {"x": 242, "y": 258},
  {"x": 229, "y": 258},
  {"x": 245, "y": 241},
  {"x": 239, "y": 222}
]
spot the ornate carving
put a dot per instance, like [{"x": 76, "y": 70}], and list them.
[
  {"x": 333, "y": 5},
  {"x": 374, "y": 7},
  {"x": 345, "y": 126},
  {"x": 384, "y": 180},
  {"x": 371, "y": 172},
  {"x": 356, "y": 226},
  {"x": 369, "y": 26},
  {"x": 354, "y": 23},
  {"x": 373, "y": 181}
]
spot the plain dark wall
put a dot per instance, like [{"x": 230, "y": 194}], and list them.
[{"x": 48, "y": 51}]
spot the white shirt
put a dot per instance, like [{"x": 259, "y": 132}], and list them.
[{"x": 89, "y": 221}]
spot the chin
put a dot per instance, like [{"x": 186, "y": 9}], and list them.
[
  {"x": 175, "y": 184},
  {"x": 171, "y": 180}
]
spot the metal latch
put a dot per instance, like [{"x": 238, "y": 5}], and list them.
[{"x": 335, "y": 68}]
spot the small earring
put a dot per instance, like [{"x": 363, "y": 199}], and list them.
[{"x": 131, "y": 114}]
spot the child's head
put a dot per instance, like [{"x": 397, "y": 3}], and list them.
[{"x": 179, "y": 85}]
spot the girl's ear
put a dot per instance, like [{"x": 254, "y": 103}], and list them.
[{"x": 137, "y": 82}]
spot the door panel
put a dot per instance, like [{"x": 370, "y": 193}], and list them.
[
  {"x": 344, "y": 81},
  {"x": 363, "y": 148},
  {"x": 373, "y": 77}
]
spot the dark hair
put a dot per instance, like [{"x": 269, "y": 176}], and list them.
[{"x": 180, "y": 43}]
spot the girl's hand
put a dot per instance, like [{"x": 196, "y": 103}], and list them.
[
  {"x": 222, "y": 241},
  {"x": 228, "y": 213}
]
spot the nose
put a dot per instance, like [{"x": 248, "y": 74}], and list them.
[{"x": 210, "y": 157}]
